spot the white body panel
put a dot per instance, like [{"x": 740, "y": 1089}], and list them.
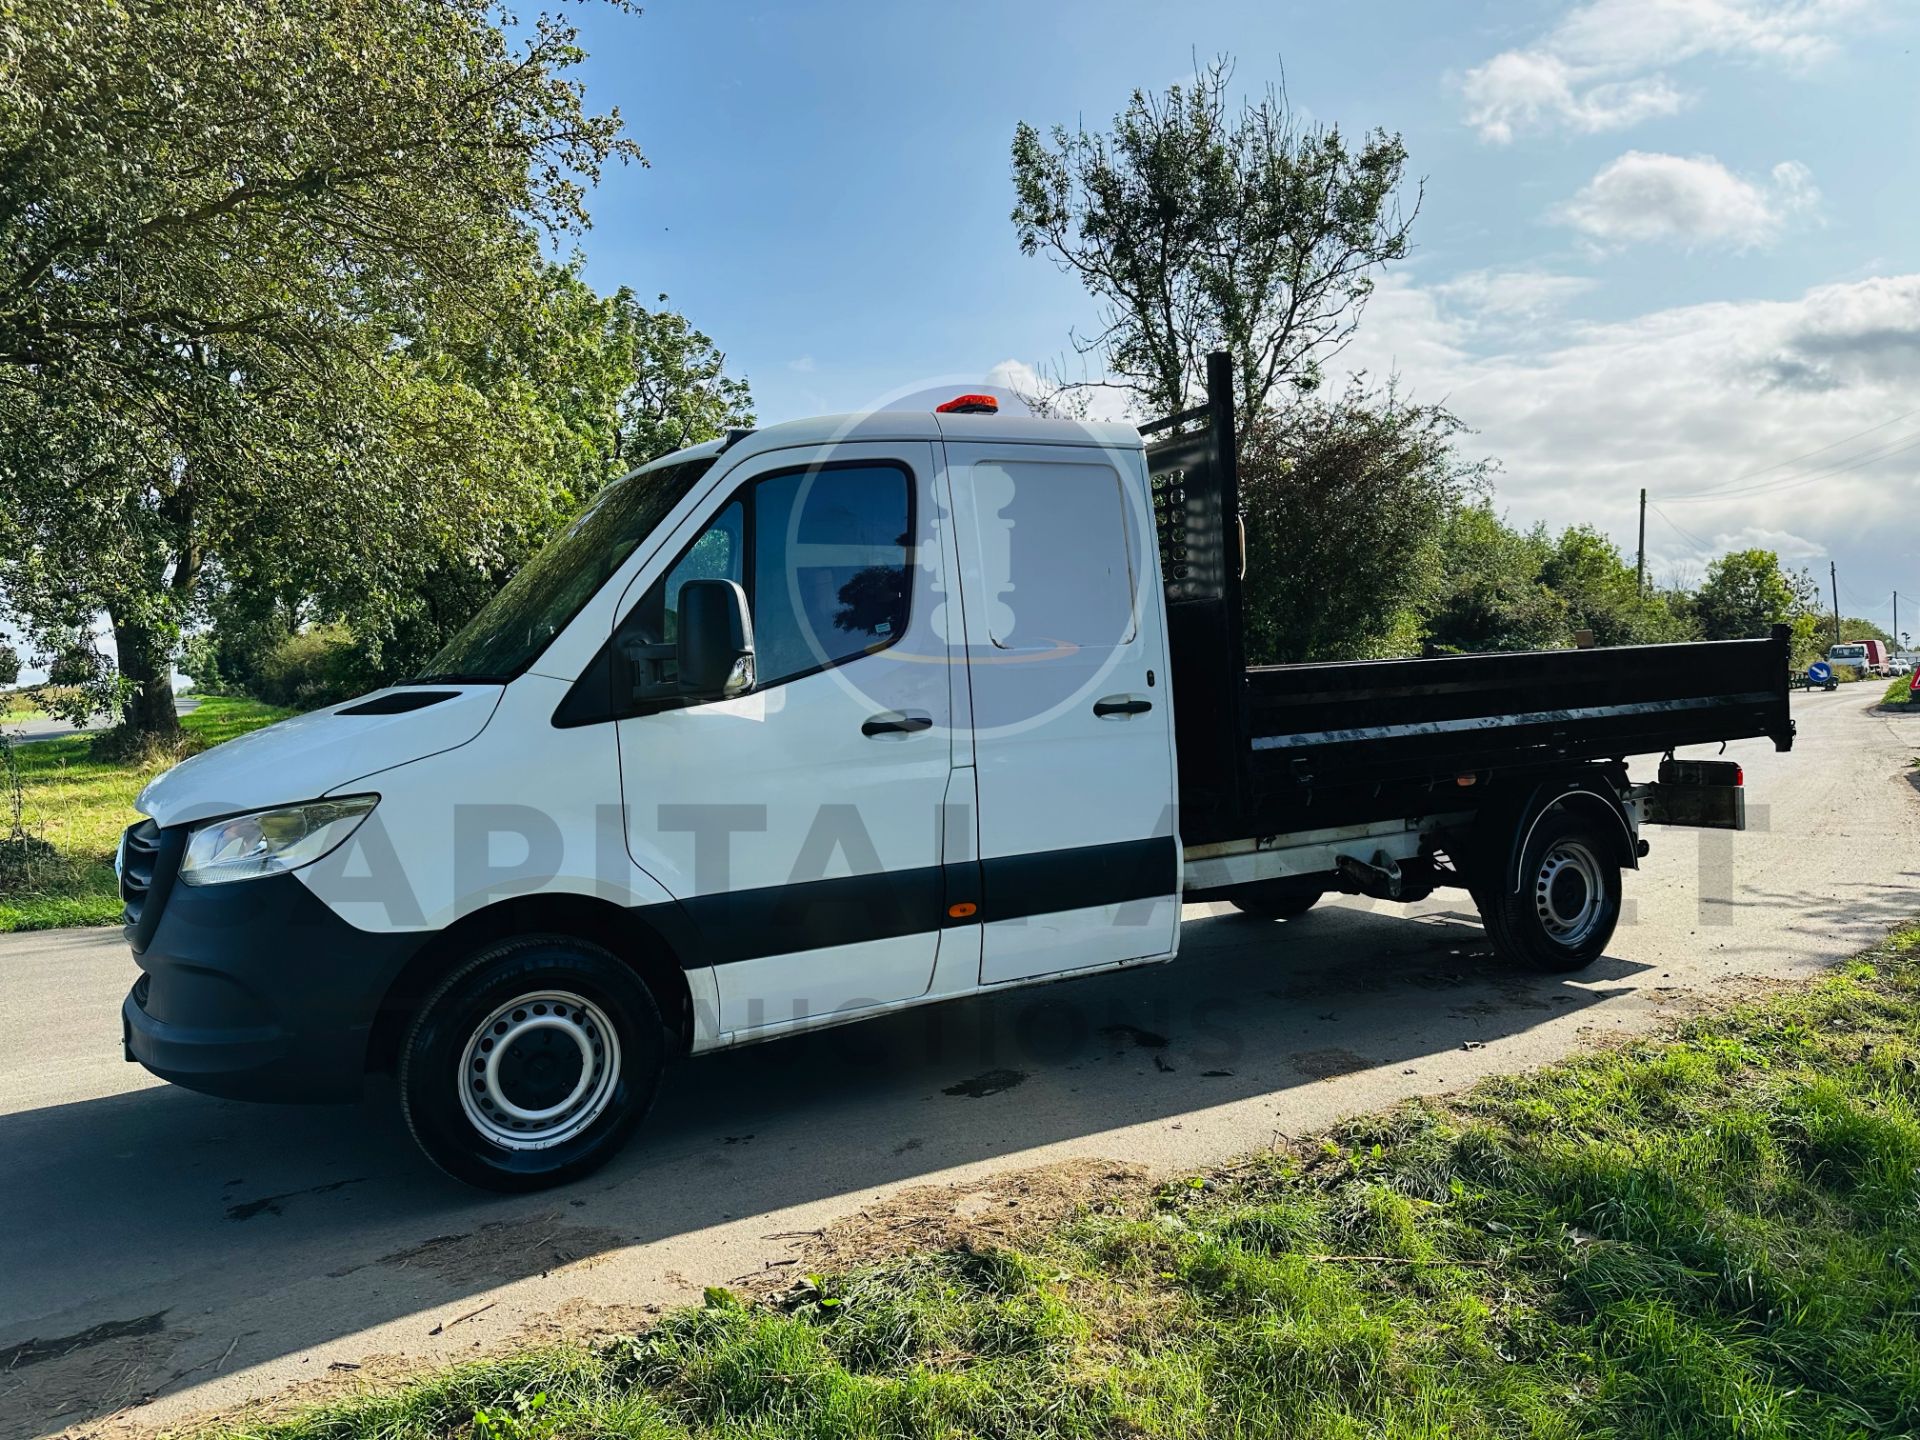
[
  {"x": 1061, "y": 619},
  {"x": 780, "y": 788}
]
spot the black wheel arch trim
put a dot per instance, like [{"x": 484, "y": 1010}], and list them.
[{"x": 1504, "y": 830}]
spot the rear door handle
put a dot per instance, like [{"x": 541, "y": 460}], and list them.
[
  {"x": 1121, "y": 705},
  {"x": 896, "y": 722}
]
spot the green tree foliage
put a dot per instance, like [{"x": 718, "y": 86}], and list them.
[
  {"x": 1199, "y": 226},
  {"x": 221, "y": 224},
  {"x": 1346, "y": 502},
  {"x": 1490, "y": 595},
  {"x": 1602, "y": 594},
  {"x": 1747, "y": 592}
]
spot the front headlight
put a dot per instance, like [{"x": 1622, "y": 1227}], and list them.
[{"x": 271, "y": 842}]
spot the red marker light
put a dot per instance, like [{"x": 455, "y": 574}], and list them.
[{"x": 969, "y": 405}]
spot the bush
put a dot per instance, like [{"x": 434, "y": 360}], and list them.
[{"x": 317, "y": 667}]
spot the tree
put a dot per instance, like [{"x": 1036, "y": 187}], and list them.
[
  {"x": 1345, "y": 505},
  {"x": 218, "y": 221},
  {"x": 1601, "y": 592},
  {"x": 9, "y": 664},
  {"x": 1490, "y": 595},
  {"x": 1199, "y": 227},
  {"x": 1746, "y": 594}
]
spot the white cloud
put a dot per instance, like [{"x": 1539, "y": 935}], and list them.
[
  {"x": 1016, "y": 376},
  {"x": 1709, "y": 406},
  {"x": 1690, "y": 200},
  {"x": 1512, "y": 295},
  {"x": 802, "y": 365},
  {"x": 1602, "y": 66},
  {"x": 1529, "y": 90}
]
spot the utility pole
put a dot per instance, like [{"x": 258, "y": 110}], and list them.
[
  {"x": 1640, "y": 566},
  {"x": 1833, "y": 573},
  {"x": 1896, "y": 622}
]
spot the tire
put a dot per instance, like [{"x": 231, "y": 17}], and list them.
[
  {"x": 531, "y": 1063},
  {"x": 1259, "y": 903},
  {"x": 1565, "y": 912}
]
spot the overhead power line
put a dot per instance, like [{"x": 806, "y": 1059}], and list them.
[
  {"x": 1796, "y": 459},
  {"x": 1686, "y": 535},
  {"x": 1898, "y": 446}
]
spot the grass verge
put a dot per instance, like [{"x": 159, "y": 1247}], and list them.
[
  {"x": 74, "y": 807},
  {"x": 1899, "y": 691},
  {"x": 1712, "y": 1234}
]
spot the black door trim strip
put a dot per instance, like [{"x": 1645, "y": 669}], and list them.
[{"x": 787, "y": 919}]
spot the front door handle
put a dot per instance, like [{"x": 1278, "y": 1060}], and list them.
[
  {"x": 1121, "y": 705},
  {"x": 896, "y": 722}
]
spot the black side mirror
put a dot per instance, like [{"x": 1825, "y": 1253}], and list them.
[{"x": 715, "y": 650}]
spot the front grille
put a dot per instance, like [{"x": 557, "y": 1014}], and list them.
[{"x": 148, "y": 858}]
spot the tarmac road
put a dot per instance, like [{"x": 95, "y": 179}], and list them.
[{"x": 176, "y": 1254}]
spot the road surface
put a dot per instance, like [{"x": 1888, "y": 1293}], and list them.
[
  {"x": 45, "y": 727},
  {"x": 180, "y": 1255}
]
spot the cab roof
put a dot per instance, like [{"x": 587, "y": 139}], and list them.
[{"x": 924, "y": 425}]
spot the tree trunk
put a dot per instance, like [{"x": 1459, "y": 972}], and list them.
[{"x": 147, "y": 662}]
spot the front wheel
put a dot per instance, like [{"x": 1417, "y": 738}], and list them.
[
  {"x": 531, "y": 1063},
  {"x": 1564, "y": 913}
]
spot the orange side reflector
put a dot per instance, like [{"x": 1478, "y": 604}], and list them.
[{"x": 962, "y": 910}]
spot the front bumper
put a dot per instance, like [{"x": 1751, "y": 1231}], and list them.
[{"x": 255, "y": 990}]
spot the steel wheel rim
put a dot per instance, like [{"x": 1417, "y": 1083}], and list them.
[
  {"x": 1569, "y": 893},
  {"x": 539, "y": 1070}
]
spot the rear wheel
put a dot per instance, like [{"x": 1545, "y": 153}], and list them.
[
  {"x": 1568, "y": 903},
  {"x": 531, "y": 1063},
  {"x": 1261, "y": 902}
]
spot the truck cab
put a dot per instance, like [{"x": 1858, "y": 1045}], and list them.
[
  {"x": 1869, "y": 657},
  {"x": 773, "y": 727},
  {"x": 844, "y": 715}
]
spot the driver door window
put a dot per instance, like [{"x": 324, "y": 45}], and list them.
[{"x": 825, "y": 557}]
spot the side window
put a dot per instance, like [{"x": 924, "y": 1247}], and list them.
[
  {"x": 1055, "y": 552},
  {"x": 831, "y": 572},
  {"x": 825, "y": 557}
]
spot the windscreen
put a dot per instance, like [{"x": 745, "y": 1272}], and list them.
[{"x": 510, "y": 630}]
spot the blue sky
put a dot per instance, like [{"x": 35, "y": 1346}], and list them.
[{"x": 1664, "y": 242}]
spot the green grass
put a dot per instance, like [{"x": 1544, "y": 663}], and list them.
[
  {"x": 79, "y": 805},
  {"x": 1899, "y": 691},
  {"x": 1716, "y": 1234}
]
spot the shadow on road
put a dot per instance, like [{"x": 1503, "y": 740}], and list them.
[{"x": 184, "y": 1201}]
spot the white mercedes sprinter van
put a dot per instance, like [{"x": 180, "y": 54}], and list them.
[{"x": 845, "y": 715}]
